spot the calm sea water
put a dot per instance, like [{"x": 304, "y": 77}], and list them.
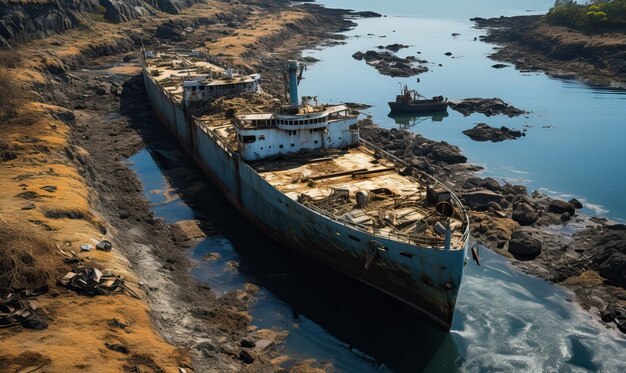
[
  {"x": 505, "y": 320},
  {"x": 575, "y": 133}
]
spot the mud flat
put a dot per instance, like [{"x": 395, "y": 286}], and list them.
[
  {"x": 534, "y": 45},
  {"x": 65, "y": 179}
]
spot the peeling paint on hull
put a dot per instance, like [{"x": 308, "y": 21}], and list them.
[{"x": 418, "y": 281}]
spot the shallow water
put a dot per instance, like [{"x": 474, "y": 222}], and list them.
[
  {"x": 574, "y": 143},
  {"x": 504, "y": 321}
]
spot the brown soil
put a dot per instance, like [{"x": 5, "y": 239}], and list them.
[
  {"x": 534, "y": 45},
  {"x": 73, "y": 130}
]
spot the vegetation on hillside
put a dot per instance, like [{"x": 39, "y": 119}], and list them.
[{"x": 598, "y": 16}]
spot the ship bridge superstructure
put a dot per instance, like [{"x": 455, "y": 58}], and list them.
[{"x": 195, "y": 78}]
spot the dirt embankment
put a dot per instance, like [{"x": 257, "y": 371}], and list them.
[
  {"x": 64, "y": 182},
  {"x": 534, "y": 45},
  {"x": 545, "y": 237}
]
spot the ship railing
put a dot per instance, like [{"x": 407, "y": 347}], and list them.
[
  {"x": 434, "y": 181},
  {"x": 417, "y": 240}
]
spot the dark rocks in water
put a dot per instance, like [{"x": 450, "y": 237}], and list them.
[
  {"x": 358, "y": 56},
  {"x": 525, "y": 214},
  {"x": 365, "y": 14},
  {"x": 479, "y": 200},
  {"x": 524, "y": 246},
  {"x": 576, "y": 203},
  {"x": 560, "y": 207},
  {"x": 499, "y": 66},
  {"x": 448, "y": 54},
  {"x": 309, "y": 59},
  {"x": 396, "y": 47},
  {"x": 484, "y": 132},
  {"x": 389, "y": 64},
  {"x": 455, "y": 34},
  {"x": 487, "y": 106}
]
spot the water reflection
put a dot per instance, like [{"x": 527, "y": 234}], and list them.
[
  {"x": 407, "y": 120},
  {"x": 329, "y": 316}
]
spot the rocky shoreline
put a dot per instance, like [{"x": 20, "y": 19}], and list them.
[
  {"x": 109, "y": 119},
  {"x": 532, "y": 44},
  {"x": 545, "y": 237}
]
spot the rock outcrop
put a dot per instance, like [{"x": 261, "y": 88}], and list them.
[
  {"x": 487, "y": 106},
  {"x": 484, "y": 132},
  {"x": 524, "y": 246},
  {"x": 389, "y": 64},
  {"x": 27, "y": 20}
]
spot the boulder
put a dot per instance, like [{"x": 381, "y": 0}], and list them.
[
  {"x": 484, "y": 132},
  {"x": 447, "y": 153},
  {"x": 487, "y": 106},
  {"x": 358, "y": 56},
  {"x": 576, "y": 203},
  {"x": 559, "y": 207},
  {"x": 525, "y": 214},
  {"x": 614, "y": 268},
  {"x": 565, "y": 217},
  {"x": 524, "y": 246},
  {"x": 396, "y": 47},
  {"x": 479, "y": 200}
]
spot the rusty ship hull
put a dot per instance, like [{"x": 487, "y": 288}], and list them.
[{"x": 426, "y": 279}]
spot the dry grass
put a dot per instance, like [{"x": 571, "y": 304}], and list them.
[{"x": 27, "y": 258}]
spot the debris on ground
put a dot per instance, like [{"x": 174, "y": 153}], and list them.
[
  {"x": 104, "y": 246},
  {"x": 15, "y": 310},
  {"x": 117, "y": 347},
  {"x": 91, "y": 281}
]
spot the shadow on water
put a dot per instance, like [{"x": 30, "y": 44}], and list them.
[
  {"x": 406, "y": 120},
  {"x": 329, "y": 316}
]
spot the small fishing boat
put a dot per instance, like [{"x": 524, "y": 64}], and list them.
[{"x": 410, "y": 101}]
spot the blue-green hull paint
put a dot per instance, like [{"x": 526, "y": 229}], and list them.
[{"x": 417, "y": 281}]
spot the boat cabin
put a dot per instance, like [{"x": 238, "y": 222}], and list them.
[{"x": 293, "y": 129}]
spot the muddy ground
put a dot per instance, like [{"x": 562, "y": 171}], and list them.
[
  {"x": 98, "y": 89},
  {"x": 111, "y": 120}
]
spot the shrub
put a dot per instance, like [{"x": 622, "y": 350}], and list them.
[{"x": 600, "y": 16}]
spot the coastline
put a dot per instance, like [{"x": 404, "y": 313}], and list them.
[
  {"x": 533, "y": 45},
  {"x": 105, "y": 118},
  {"x": 109, "y": 127}
]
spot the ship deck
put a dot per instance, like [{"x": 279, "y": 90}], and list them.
[
  {"x": 170, "y": 69},
  {"x": 396, "y": 206}
]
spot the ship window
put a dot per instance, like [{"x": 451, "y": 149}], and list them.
[
  {"x": 292, "y": 145},
  {"x": 291, "y": 122},
  {"x": 201, "y": 88},
  {"x": 261, "y": 148},
  {"x": 310, "y": 131},
  {"x": 193, "y": 89},
  {"x": 280, "y": 146},
  {"x": 316, "y": 141},
  {"x": 249, "y": 139},
  {"x": 408, "y": 255},
  {"x": 262, "y": 137}
]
